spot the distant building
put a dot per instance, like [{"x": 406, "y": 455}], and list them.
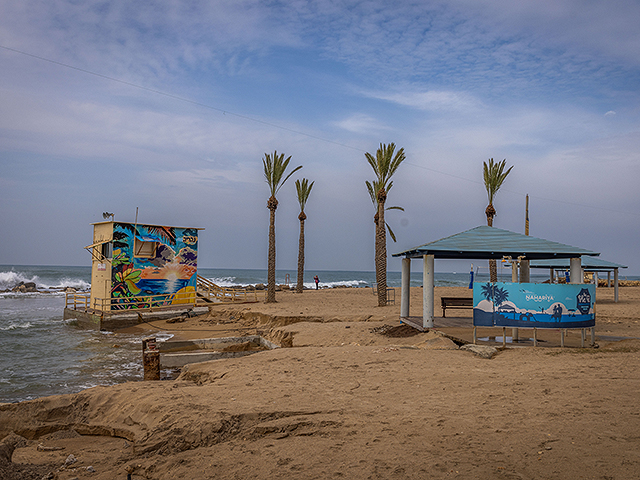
[{"x": 142, "y": 266}]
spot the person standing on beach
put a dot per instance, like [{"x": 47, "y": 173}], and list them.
[{"x": 317, "y": 280}]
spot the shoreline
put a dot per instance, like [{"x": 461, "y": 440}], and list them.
[{"x": 350, "y": 400}]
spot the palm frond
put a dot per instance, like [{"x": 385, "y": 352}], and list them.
[
  {"x": 303, "y": 189},
  {"x": 494, "y": 176},
  {"x": 274, "y": 168}
]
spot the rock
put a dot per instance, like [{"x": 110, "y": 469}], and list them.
[
  {"x": 70, "y": 290},
  {"x": 71, "y": 459},
  {"x": 260, "y": 286},
  {"x": 22, "y": 287},
  {"x": 483, "y": 351}
]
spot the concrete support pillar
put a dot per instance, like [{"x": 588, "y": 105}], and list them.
[
  {"x": 576, "y": 270},
  {"x": 524, "y": 271},
  {"x": 551, "y": 279},
  {"x": 405, "y": 290},
  {"x": 427, "y": 290},
  {"x": 615, "y": 285},
  {"x": 609, "y": 279},
  {"x": 514, "y": 271},
  {"x": 595, "y": 279}
]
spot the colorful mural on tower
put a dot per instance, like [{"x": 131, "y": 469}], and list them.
[
  {"x": 534, "y": 305},
  {"x": 155, "y": 263}
]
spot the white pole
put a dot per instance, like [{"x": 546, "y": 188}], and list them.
[
  {"x": 405, "y": 290},
  {"x": 576, "y": 270},
  {"x": 524, "y": 271},
  {"x": 427, "y": 291}
]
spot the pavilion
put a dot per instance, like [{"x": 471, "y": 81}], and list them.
[
  {"x": 589, "y": 264},
  {"x": 481, "y": 243}
]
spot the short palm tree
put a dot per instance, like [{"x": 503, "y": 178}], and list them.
[
  {"x": 494, "y": 176},
  {"x": 384, "y": 165},
  {"x": 303, "y": 189},
  {"x": 274, "y": 168}
]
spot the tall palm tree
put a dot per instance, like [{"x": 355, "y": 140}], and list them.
[
  {"x": 303, "y": 189},
  {"x": 494, "y": 176},
  {"x": 384, "y": 165},
  {"x": 274, "y": 167}
]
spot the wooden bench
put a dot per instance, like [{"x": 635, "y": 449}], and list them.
[{"x": 455, "y": 302}]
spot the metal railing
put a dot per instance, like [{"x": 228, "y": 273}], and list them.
[
  {"x": 212, "y": 293},
  {"x": 207, "y": 293}
]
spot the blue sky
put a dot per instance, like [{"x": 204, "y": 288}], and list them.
[{"x": 171, "y": 106}]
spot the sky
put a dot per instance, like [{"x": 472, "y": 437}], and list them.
[{"x": 168, "y": 108}]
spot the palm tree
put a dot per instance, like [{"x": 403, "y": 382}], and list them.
[
  {"x": 494, "y": 176},
  {"x": 384, "y": 165},
  {"x": 303, "y": 189},
  {"x": 274, "y": 167}
]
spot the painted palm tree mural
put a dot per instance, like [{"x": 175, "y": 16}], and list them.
[{"x": 495, "y": 294}]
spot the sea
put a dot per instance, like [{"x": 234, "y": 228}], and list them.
[{"x": 43, "y": 354}]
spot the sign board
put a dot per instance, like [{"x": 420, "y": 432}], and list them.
[
  {"x": 102, "y": 267},
  {"x": 538, "y": 305}
]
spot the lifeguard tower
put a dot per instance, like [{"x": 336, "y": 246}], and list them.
[{"x": 138, "y": 268}]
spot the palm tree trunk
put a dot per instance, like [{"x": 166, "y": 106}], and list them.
[
  {"x": 299, "y": 285},
  {"x": 493, "y": 267},
  {"x": 381, "y": 252},
  {"x": 271, "y": 271}
]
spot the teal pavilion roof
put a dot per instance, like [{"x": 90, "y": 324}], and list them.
[
  {"x": 593, "y": 264},
  {"x": 485, "y": 242}
]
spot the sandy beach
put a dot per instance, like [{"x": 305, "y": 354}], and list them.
[{"x": 353, "y": 394}]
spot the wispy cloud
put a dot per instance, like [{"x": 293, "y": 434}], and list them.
[
  {"x": 429, "y": 100},
  {"x": 361, "y": 123}
]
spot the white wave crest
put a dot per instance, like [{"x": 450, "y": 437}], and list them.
[
  {"x": 225, "y": 281},
  {"x": 15, "y": 326},
  {"x": 339, "y": 283},
  {"x": 11, "y": 278}
]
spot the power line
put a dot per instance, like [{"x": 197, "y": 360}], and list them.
[
  {"x": 182, "y": 99},
  {"x": 274, "y": 125}
]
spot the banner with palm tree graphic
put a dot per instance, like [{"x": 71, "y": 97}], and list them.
[{"x": 534, "y": 305}]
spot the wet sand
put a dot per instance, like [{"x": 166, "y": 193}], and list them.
[{"x": 355, "y": 396}]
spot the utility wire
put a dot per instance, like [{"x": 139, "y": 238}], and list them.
[
  {"x": 182, "y": 99},
  {"x": 297, "y": 132}
]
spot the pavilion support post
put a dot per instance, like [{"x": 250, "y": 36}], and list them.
[
  {"x": 514, "y": 271},
  {"x": 525, "y": 271},
  {"x": 427, "y": 291},
  {"x": 595, "y": 279},
  {"x": 551, "y": 279},
  {"x": 615, "y": 285},
  {"x": 609, "y": 279},
  {"x": 405, "y": 290},
  {"x": 576, "y": 270}
]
